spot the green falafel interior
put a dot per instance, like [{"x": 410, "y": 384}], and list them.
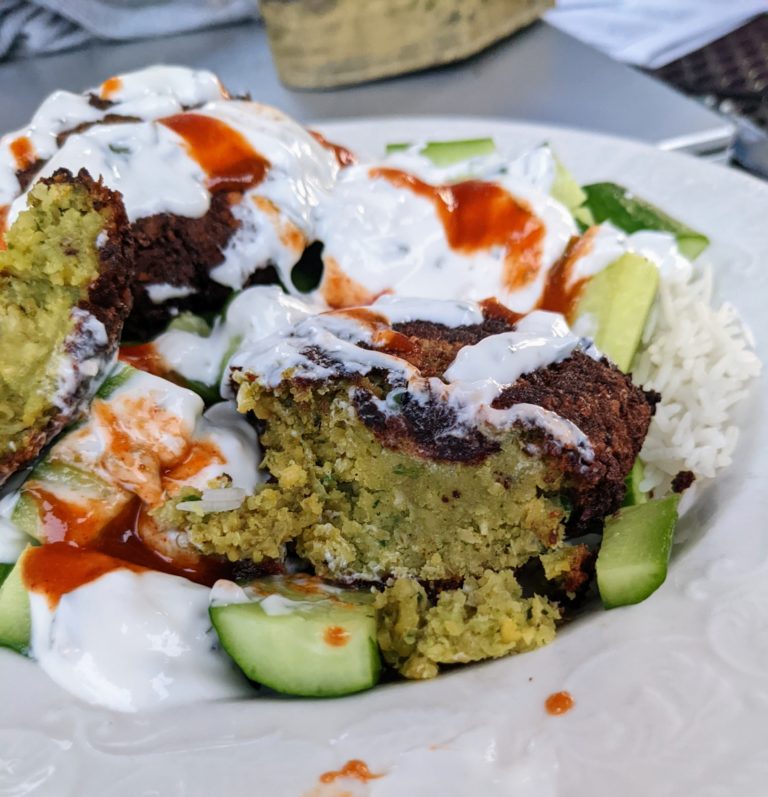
[{"x": 62, "y": 302}]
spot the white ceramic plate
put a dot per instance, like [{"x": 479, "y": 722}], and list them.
[{"x": 671, "y": 695}]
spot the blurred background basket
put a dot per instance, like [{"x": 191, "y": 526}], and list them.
[{"x": 324, "y": 43}]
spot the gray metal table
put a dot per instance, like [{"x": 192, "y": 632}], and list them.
[{"x": 539, "y": 75}]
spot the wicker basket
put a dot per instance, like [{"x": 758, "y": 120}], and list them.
[{"x": 323, "y": 43}]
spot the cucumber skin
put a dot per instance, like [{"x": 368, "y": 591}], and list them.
[
  {"x": 446, "y": 153},
  {"x": 614, "y": 203},
  {"x": 15, "y": 617},
  {"x": 634, "y": 555},
  {"x": 298, "y": 650},
  {"x": 634, "y": 494},
  {"x": 635, "y": 279},
  {"x": 565, "y": 189}
]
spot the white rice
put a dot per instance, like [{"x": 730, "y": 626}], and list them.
[{"x": 700, "y": 359}]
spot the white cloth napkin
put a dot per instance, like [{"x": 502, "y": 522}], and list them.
[
  {"x": 651, "y": 33},
  {"x": 39, "y": 26}
]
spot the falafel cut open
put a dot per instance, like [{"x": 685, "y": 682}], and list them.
[
  {"x": 65, "y": 278},
  {"x": 399, "y": 447}
]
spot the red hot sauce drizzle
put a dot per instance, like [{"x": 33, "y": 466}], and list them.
[
  {"x": 223, "y": 153},
  {"x": 354, "y": 770},
  {"x": 57, "y": 568},
  {"x": 120, "y": 539},
  {"x": 23, "y": 152},
  {"x": 344, "y": 157},
  {"x": 478, "y": 215},
  {"x": 145, "y": 357},
  {"x": 561, "y": 293},
  {"x": 559, "y": 703},
  {"x": 110, "y": 87}
]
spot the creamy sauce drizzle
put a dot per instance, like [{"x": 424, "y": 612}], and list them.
[
  {"x": 123, "y": 637},
  {"x": 145, "y": 443},
  {"x": 479, "y": 215},
  {"x": 351, "y": 342}
]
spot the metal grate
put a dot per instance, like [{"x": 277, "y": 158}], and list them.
[{"x": 731, "y": 72}]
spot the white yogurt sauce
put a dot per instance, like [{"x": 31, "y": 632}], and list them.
[
  {"x": 166, "y": 419},
  {"x": 84, "y": 358},
  {"x": 225, "y": 593},
  {"x": 608, "y": 244},
  {"x": 162, "y": 291},
  {"x": 237, "y": 441},
  {"x": 145, "y": 161},
  {"x": 147, "y": 94},
  {"x": 254, "y": 314},
  {"x": 388, "y": 238},
  {"x": 401, "y": 310},
  {"x": 477, "y": 376},
  {"x": 156, "y": 173},
  {"x": 336, "y": 335},
  {"x": 538, "y": 340},
  {"x": 162, "y": 90},
  {"x": 133, "y": 641}
]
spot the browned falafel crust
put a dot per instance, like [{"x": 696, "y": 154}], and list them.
[
  {"x": 597, "y": 397},
  {"x": 107, "y": 298},
  {"x": 180, "y": 251}
]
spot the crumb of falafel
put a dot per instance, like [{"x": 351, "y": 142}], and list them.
[{"x": 486, "y": 618}]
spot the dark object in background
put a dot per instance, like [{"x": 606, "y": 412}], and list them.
[
  {"x": 324, "y": 43},
  {"x": 731, "y": 72}
]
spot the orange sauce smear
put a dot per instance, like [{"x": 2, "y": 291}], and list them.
[
  {"x": 344, "y": 157},
  {"x": 23, "y": 152},
  {"x": 561, "y": 293},
  {"x": 559, "y": 703},
  {"x": 354, "y": 769},
  {"x": 145, "y": 357},
  {"x": 383, "y": 336},
  {"x": 58, "y": 568},
  {"x": 340, "y": 290},
  {"x": 478, "y": 215},
  {"x": 110, "y": 87},
  {"x": 223, "y": 153},
  {"x": 64, "y": 521},
  {"x": 336, "y": 636},
  {"x": 119, "y": 539},
  {"x": 199, "y": 456}
]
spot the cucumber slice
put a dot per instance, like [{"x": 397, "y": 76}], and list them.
[
  {"x": 189, "y": 322},
  {"x": 308, "y": 646},
  {"x": 634, "y": 494},
  {"x": 15, "y": 620},
  {"x": 565, "y": 189},
  {"x": 633, "y": 558},
  {"x": 93, "y": 498},
  {"x": 5, "y": 570},
  {"x": 446, "y": 153},
  {"x": 619, "y": 299},
  {"x": 116, "y": 379},
  {"x": 614, "y": 203}
]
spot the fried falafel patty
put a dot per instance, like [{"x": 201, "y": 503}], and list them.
[
  {"x": 398, "y": 448},
  {"x": 219, "y": 190},
  {"x": 64, "y": 295}
]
